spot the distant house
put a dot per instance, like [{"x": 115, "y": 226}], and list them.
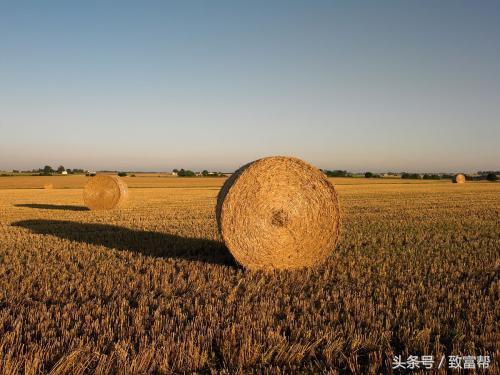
[
  {"x": 64, "y": 172},
  {"x": 174, "y": 173}
]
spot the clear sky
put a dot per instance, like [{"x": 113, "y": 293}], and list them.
[{"x": 153, "y": 85}]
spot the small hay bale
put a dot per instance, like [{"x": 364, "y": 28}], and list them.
[
  {"x": 278, "y": 213},
  {"x": 458, "y": 179},
  {"x": 48, "y": 186},
  {"x": 104, "y": 192}
]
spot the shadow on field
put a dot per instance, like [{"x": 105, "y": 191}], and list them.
[
  {"x": 154, "y": 244},
  {"x": 53, "y": 207}
]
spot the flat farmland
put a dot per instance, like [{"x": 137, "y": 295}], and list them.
[
  {"x": 166, "y": 181},
  {"x": 150, "y": 288},
  {"x": 79, "y": 181}
]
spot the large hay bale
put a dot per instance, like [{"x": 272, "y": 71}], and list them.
[
  {"x": 458, "y": 179},
  {"x": 104, "y": 192},
  {"x": 278, "y": 213}
]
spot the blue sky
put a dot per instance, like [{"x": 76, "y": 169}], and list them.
[{"x": 154, "y": 85}]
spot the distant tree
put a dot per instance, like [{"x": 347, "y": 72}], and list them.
[
  {"x": 411, "y": 176},
  {"x": 48, "y": 169},
  {"x": 431, "y": 177},
  {"x": 204, "y": 173},
  {"x": 15, "y": 171},
  {"x": 69, "y": 171},
  {"x": 491, "y": 177},
  {"x": 175, "y": 170},
  {"x": 368, "y": 175},
  {"x": 122, "y": 174},
  {"x": 337, "y": 173},
  {"x": 486, "y": 173},
  {"x": 61, "y": 169},
  {"x": 185, "y": 173}
]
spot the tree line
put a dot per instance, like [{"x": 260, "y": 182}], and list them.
[
  {"x": 481, "y": 175},
  {"x": 48, "y": 171},
  {"x": 189, "y": 173}
]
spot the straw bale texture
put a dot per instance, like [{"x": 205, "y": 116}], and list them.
[
  {"x": 459, "y": 179},
  {"x": 104, "y": 192},
  {"x": 278, "y": 213}
]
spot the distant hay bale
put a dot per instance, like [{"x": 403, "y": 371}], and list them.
[
  {"x": 48, "y": 186},
  {"x": 458, "y": 179},
  {"x": 278, "y": 213},
  {"x": 104, "y": 192}
]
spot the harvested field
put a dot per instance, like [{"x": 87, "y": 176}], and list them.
[
  {"x": 162, "y": 181},
  {"x": 150, "y": 288}
]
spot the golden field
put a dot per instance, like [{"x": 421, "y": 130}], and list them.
[
  {"x": 150, "y": 288},
  {"x": 166, "y": 181}
]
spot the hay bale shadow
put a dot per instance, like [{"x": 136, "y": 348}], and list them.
[
  {"x": 53, "y": 207},
  {"x": 155, "y": 244}
]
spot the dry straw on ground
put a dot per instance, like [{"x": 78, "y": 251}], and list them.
[
  {"x": 86, "y": 293},
  {"x": 48, "y": 186},
  {"x": 459, "y": 179},
  {"x": 278, "y": 213},
  {"x": 104, "y": 192}
]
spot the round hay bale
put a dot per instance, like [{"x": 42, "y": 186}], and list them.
[
  {"x": 104, "y": 192},
  {"x": 48, "y": 186},
  {"x": 459, "y": 179},
  {"x": 278, "y": 213}
]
